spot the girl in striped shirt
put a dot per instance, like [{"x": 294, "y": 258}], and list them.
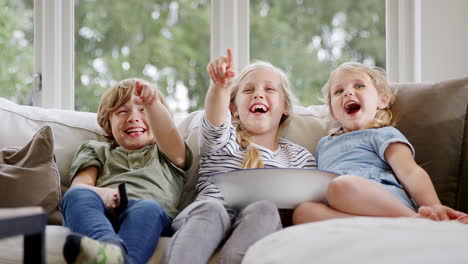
[{"x": 240, "y": 129}]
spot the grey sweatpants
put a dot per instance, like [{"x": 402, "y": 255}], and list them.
[{"x": 204, "y": 224}]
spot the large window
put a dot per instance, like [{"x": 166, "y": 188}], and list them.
[
  {"x": 165, "y": 42},
  {"x": 308, "y": 39},
  {"x": 16, "y": 50},
  {"x": 86, "y": 46}
]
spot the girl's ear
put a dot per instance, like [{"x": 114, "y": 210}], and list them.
[
  {"x": 384, "y": 101},
  {"x": 233, "y": 109},
  {"x": 286, "y": 112}
]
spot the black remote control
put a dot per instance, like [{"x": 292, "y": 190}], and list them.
[{"x": 123, "y": 198}]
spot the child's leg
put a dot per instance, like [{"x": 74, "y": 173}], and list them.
[
  {"x": 85, "y": 213},
  {"x": 253, "y": 223},
  {"x": 82, "y": 249},
  {"x": 350, "y": 195},
  {"x": 358, "y": 196},
  {"x": 313, "y": 212},
  {"x": 141, "y": 225},
  {"x": 200, "y": 227}
]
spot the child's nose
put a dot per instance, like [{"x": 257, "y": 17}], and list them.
[
  {"x": 134, "y": 117},
  {"x": 348, "y": 92},
  {"x": 258, "y": 95}
]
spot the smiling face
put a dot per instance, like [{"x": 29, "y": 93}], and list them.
[
  {"x": 354, "y": 100},
  {"x": 130, "y": 127},
  {"x": 260, "y": 102}
]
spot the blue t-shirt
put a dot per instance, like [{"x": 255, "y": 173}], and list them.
[{"x": 360, "y": 153}]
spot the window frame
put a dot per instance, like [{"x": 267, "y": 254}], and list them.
[
  {"x": 54, "y": 44},
  {"x": 54, "y": 54}
]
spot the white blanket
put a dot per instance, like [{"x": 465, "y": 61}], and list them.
[{"x": 365, "y": 240}]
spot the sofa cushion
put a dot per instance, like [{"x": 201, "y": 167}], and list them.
[
  {"x": 70, "y": 129},
  {"x": 364, "y": 240},
  {"x": 29, "y": 175},
  {"x": 433, "y": 117}
]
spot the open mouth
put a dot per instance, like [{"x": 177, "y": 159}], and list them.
[
  {"x": 258, "y": 109},
  {"x": 352, "y": 107},
  {"x": 135, "y": 131}
]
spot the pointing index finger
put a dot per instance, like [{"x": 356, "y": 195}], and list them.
[{"x": 230, "y": 56}]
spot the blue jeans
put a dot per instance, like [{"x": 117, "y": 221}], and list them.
[{"x": 137, "y": 229}]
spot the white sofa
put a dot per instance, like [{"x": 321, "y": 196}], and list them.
[{"x": 432, "y": 115}]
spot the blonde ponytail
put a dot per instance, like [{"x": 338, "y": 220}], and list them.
[
  {"x": 252, "y": 158},
  {"x": 383, "y": 118}
]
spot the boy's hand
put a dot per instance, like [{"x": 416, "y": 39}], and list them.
[
  {"x": 110, "y": 197},
  {"x": 145, "y": 93},
  {"x": 221, "y": 70}
]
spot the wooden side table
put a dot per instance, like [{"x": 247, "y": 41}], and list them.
[{"x": 30, "y": 222}]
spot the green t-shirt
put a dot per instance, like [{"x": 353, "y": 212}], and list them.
[{"x": 147, "y": 172}]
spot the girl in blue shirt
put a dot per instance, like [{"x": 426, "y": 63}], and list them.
[{"x": 379, "y": 176}]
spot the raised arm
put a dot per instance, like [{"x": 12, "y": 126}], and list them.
[
  {"x": 416, "y": 181},
  {"x": 168, "y": 138},
  {"x": 221, "y": 71}
]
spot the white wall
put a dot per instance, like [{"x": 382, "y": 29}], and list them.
[
  {"x": 427, "y": 40},
  {"x": 444, "y": 39}
]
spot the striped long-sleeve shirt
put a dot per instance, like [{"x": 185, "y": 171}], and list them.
[{"x": 220, "y": 152}]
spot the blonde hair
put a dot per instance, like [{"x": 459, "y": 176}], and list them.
[
  {"x": 114, "y": 98},
  {"x": 384, "y": 117},
  {"x": 252, "y": 157}
]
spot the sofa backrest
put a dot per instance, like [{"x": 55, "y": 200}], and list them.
[
  {"x": 70, "y": 129},
  {"x": 432, "y": 115}
]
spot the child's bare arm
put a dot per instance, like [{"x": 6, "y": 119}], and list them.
[
  {"x": 168, "y": 138},
  {"x": 414, "y": 178},
  {"x": 87, "y": 178},
  {"x": 220, "y": 71},
  {"x": 417, "y": 182}
]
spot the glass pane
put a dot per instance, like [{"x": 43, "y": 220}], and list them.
[
  {"x": 309, "y": 38},
  {"x": 165, "y": 42},
  {"x": 16, "y": 50}
]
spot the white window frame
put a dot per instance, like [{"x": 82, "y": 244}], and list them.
[
  {"x": 53, "y": 49},
  {"x": 54, "y": 45},
  {"x": 426, "y": 40},
  {"x": 406, "y": 20},
  {"x": 230, "y": 28},
  {"x": 403, "y": 40}
]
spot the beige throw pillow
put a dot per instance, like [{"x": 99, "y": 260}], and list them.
[{"x": 29, "y": 176}]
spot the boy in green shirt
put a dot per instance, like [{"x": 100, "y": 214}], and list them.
[{"x": 148, "y": 154}]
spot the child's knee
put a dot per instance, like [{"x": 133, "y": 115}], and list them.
[
  {"x": 306, "y": 212},
  {"x": 262, "y": 207},
  {"x": 78, "y": 195},
  {"x": 149, "y": 206},
  {"x": 208, "y": 210},
  {"x": 342, "y": 185},
  {"x": 211, "y": 208},
  {"x": 262, "y": 211}
]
